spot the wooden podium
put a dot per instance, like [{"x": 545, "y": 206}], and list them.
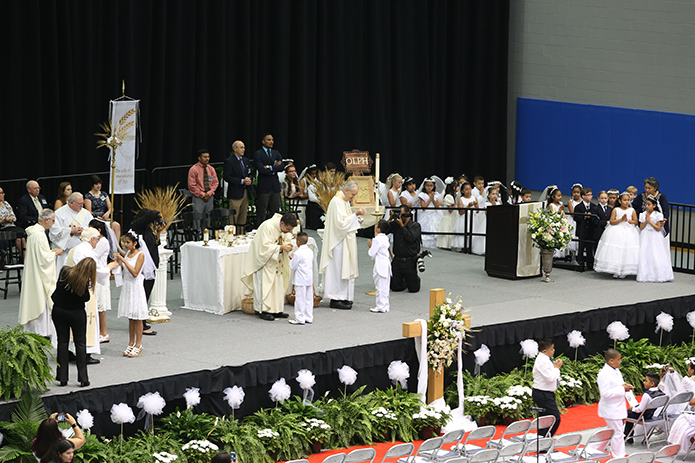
[{"x": 509, "y": 251}]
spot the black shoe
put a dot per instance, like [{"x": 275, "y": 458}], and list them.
[
  {"x": 145, "y": 326},
  {"x": 150, "y": 333},
  {"x": 92, "y": 361},
  {"x": 267, "y": 316},
  {"x": 348, "y": 303},
  {"x": 84, "y": 383},
  {"x": 335, "y": 304},
  {"x": 280, "y": 315},
  {"x": 63, "y": 383},
  {"x": 630, "y": 441}
]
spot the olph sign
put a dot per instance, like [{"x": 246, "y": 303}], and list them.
[{"x": 357, "y": 162}]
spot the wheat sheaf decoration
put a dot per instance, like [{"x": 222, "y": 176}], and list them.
[
  {"x": 166, "y": 200},
  {"x": 327, "y": 186},
  {"x": 107, "y": 137}
]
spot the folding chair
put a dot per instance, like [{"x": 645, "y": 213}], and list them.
[
  {"x": 539, "y": 448},
  {"x": 658, "y": 421},
  {"x": 398, "y": 451},
  {"x": 512, "y": 452},
  {"x": 466, "y": 448},
  {"x": 565, "y": 441},
  {"x": 9, "y": 262},
  {"x": 618, "y": 460},
  {"x": 595, "y": 446},
  {"x": 517, "y": 428},
  {"x": 361, "y": 455},
  {"x": 667, "y": 451},
  {"x": 443, "y": 454},
  {"x": 676, "y": 406},
  {"x": 429, "y": 445},
  {"x": 539, "y": 423},
  {"x": 303, "y": 460},
  {"x": 641, "y": 457},
  {"x": 337, "y": 458},
  {"x": 484, "y": 456}
]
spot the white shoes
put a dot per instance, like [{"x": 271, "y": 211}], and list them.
[
  {"x": 377, "y": 310},
  {"x": 295, "y": 322}
]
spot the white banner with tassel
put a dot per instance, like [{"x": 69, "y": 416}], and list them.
[{"x": 124, "y": 124}]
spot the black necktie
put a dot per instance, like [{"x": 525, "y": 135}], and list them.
[{"x": 270, "y": 156}]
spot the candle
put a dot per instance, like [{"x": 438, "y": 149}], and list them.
[{"x": 376, "y": 181}]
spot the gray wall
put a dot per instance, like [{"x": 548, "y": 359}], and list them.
[{"x": 627, "y": 53}]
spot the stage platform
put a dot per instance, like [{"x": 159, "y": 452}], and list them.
[{"x": 195, "y": 342}]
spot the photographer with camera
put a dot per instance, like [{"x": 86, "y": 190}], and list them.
[
  {"x": 48, "y": 435},
  {"x": 406, "y": 250}
]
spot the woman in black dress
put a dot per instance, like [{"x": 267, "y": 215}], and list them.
[{"x": 69, "y": 298}]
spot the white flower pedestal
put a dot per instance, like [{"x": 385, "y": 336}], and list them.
[{"x": 158, "y": 306}]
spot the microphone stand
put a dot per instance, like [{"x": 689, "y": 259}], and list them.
[{"x": 537, "y": 410}]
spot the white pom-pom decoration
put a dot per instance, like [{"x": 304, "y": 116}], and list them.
[
  {"x": 482, "y": 355},
  {"x": 399, "y": 371},
  {"x": 122, "y": 413},
  {"x": 575, "y": 339},
  {"x": 280, "y": 391},
  {"x": 664, "y": 322},
  {"x": 152, "y": 403},
  {"x": 691, "y": 318},
  {"x": 306, "y": 379},
  {"x": 192, "y": 396},
  {"x": 85, "y": 419},
  {"x": 347, "y": 375},
  {"x": 529, "y": 348},
  {"x": 618, "y": 331},
  {"x": 234, "y": 396}
]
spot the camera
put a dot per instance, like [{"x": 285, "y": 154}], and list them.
[
  {"x": 160, "y": 222},
  {"x": 60, "y": 417},
  {"x": 421, "y": 260}
]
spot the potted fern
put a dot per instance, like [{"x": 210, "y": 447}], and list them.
[
  {"x": 20, "y": 432},
  {"x": 24, "y": 363}
]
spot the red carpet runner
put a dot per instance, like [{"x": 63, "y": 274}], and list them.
[{"x": 577, "y": 418}]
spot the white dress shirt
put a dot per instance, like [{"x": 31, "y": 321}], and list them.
[
  {"x": 612, "y": 403},
  {"x": 545, "y": 375}
]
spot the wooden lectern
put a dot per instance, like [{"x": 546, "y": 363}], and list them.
[{"x": 509, "y": 251}]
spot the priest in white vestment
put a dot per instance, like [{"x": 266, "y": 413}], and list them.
[
  {"x": 89, "y": 239},
  {"x": 266, "y": 272},
  {"x": 39, "y": 279},
  {"x": 71, "y": 219},
  {"x": 339, "y": 250}
]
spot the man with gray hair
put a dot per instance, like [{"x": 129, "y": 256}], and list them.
[
  {"x": 71, "y": 219},
  {"x": 339, "y": 251},
  {"x": 39, "y": 279},
  {"x": 30, "y": 205}
]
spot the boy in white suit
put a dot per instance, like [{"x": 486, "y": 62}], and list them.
[
  {"x": 302, "y": 264},
  {"x": 611, "y": 407},
  {"x": 379, "y": 252}
]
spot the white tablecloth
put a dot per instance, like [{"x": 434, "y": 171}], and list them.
[{"x": 211, "y": 276}]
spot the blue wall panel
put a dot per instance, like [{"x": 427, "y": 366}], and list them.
[{"x": 604, "y": 147}]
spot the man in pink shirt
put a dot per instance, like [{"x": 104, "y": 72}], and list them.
[{"x": 202, "y": 183}]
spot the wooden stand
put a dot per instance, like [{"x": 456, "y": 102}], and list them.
[{"x": 435, "y": 380}]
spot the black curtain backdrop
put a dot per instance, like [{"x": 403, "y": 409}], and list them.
[{"x": 422, "y": 82}]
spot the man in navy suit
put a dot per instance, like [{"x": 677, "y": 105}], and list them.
[
  {"x": 237, "y": 174},
  {"x": 604, "y": 215},
  {"x": 268, "y": 163},
  {"x": 30, "y": 205},
  {"x": 586, "y": 227}
]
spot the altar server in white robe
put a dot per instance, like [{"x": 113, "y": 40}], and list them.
[
  {"x": 39, "y": 279},
  {"x": 266, "y": 270},
  {"x": 611, "y": 406},
  {"x": 302, "y": 266},
  {"x": 71, "y": 219},
  {"x": 89, "y": 240},
  {"x": 379, "y": 252},
  {"x": 339, "y": 250}
]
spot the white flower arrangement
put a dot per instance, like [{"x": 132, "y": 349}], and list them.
[
  {"x": 384, "y": 414},
  {"x": 549, "y": 230},
  {"x": 656, "y": 366},
  {"x": 199, "y": 451},
  {"x": 267, "y": 434},
  {"x": 317, "y": 429},
  {"x": 431, "y": 416},
  {"x": 568, "y": 382},
  {"x": 443, "y": 329},
  {"x": 164, "y": 457},
  {"x": 519, "y": 391}
]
